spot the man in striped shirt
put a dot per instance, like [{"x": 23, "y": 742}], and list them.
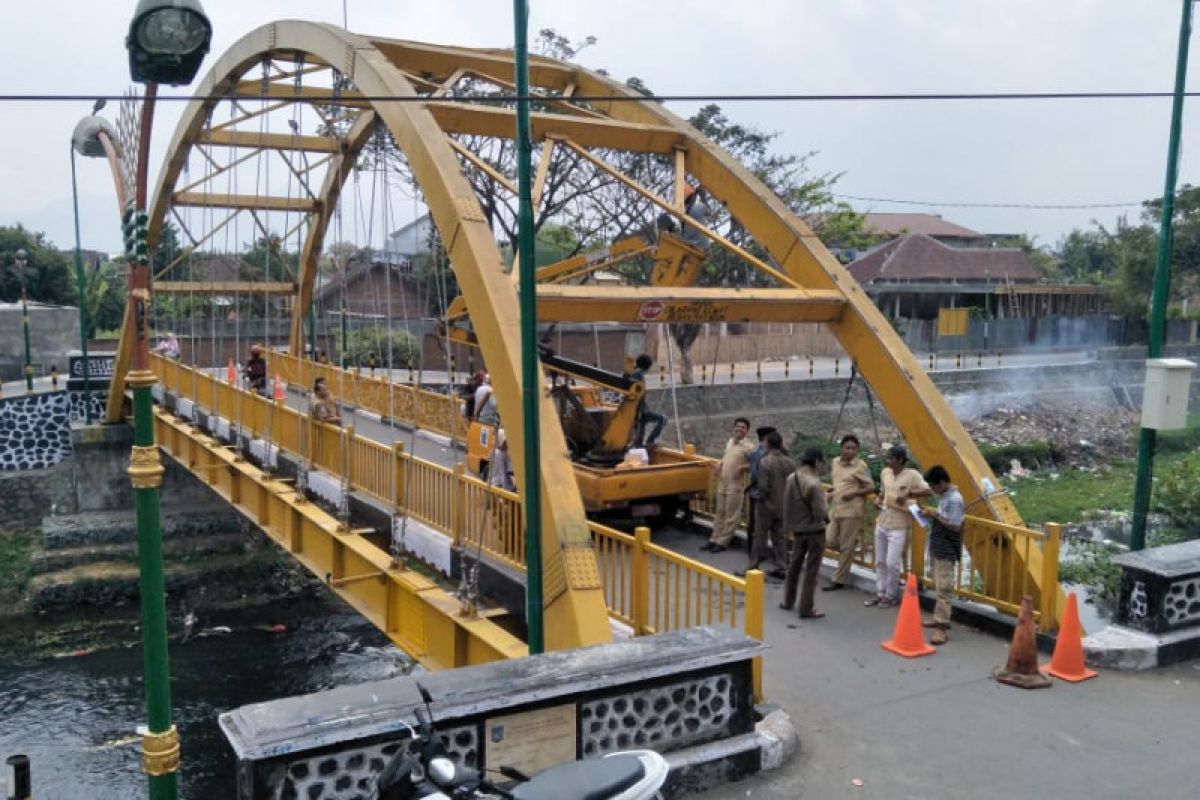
[{"x": 945, "y": 546}]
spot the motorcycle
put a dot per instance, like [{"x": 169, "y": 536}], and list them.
[{"x": 421, "y": 770}]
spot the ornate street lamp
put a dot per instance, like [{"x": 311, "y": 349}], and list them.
[
  {"x": 22, "y": 259},
  {"x": 86, "y": 141},
  {"x": 167, "y": 41}
]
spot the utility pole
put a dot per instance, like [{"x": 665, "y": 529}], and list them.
[
  {"x": 1162, "y": 281},
  {"x": 530, "y": 365}
]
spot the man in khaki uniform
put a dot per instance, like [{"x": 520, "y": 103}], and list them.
[
  {"x": 731, "y": 478},
  {"x": 901, "y": 483},
  {"x": 773, "y": 472},
  {"x": 805, "y": 519},
  {"x": 851, "y": 483}
]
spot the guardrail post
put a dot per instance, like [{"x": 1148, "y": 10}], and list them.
[
  {"x": 917, "y": 556},
  {"x": 640, "y": 581},
  {"x": 753, "y": 623},
  {"x": 347, "y": 456},
  {"x": 458, "y": 511},
  {"x": 1049, "y": 594},
  {"x": 397, "y": 476}
]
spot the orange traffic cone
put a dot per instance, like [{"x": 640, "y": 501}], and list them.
[
  {"x": 1022, "y": 667},
  {"x": 1067, "y": 662},
  {"x": 908, "y": 640},
  {"x": 230, "y": 375},
  {"x": 278, "y": 389}
]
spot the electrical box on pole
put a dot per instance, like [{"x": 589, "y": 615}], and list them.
[{"x": 1165, "y": 398}]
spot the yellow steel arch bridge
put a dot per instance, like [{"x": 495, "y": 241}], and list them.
[{"x": 310, "y": 98}]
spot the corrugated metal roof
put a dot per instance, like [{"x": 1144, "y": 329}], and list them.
[
  {"x": 918, "y": 257},
  {"x": 899, "y": 224}
]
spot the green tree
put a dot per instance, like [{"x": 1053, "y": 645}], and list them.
[
  {"x": 105, "y": 295},
  {"x": 400, "y": 350},
  {"x": 166, "y": 251},
  {"x": 49, "y": 276}
]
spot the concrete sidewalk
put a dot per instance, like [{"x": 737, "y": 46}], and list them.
[{"x": 940, "y": 727}]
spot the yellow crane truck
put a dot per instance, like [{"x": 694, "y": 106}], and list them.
[{"x": 600, "y": 411}]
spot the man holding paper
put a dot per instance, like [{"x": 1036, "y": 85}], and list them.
[{"x": 901, "y": 483}]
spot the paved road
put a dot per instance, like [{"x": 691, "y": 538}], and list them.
[{"x": 940, "y": 727}]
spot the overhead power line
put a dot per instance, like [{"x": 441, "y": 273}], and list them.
[
  {"x": 13, "y": 97},
  {"x": 1052, "y": 206}
]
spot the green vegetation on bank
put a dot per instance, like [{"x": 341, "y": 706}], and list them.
[{"x": 15, "y": 552}]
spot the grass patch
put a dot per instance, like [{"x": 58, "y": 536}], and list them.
[
  {"x": 1064, "y": 499},
  {"x": 15, "y": 552}
]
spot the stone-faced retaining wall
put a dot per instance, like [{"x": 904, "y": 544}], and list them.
[
  {"x": 687, "y": 694},
  {"x": 27, "y": 497},
  {"x": 35, "y": 431}
]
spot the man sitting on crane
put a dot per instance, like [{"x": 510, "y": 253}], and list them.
[
  {"x": 695, "y": 208},
  {"x": 646, "y": 417}
]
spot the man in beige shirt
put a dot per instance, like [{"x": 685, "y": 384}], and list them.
[
  {"x": 901, "y": 483},
  {"x": 851, "y": 483},
  {"x": 731, "y": 479}
]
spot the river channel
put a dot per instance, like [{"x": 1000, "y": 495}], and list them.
[{"x": 75, "y": 715}]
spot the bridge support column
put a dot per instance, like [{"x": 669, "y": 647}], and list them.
[{"x": 160, "y": 746}]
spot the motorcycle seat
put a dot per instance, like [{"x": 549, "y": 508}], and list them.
[{"x": 592, "y": 779}]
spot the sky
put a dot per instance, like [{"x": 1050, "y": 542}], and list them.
[{"x": 1073, "y": 152}]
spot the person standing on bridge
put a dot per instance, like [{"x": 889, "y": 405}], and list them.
[
  {"x": 168, "y": 345},
  {"x": 255, "y": 370},
  {"x": 321, "y": 406},
  {"x": 945, "y": 546},
  {"x": 731, "y": 478},
  {"x": 851, "y": 483},
  {"x": 900, "y": 484},
  {"x": 805, "y": 519},
  {"x": 754, "y": 489},
  {"x": 773, "y": 472}
]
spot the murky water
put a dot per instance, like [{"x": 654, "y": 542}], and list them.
[{"x": 76, "y": 716}]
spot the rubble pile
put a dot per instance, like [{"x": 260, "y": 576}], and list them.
[{"x": 1078, "y": 437}]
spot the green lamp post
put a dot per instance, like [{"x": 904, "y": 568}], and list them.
[
  {"x": 167, "y": 41},
  {"x": 85, "y": 140},
  {"x": 22, "y": 259}
]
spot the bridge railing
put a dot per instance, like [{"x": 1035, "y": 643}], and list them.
[
  {"x": 432, "y": 411},
  {"x": 996, "y": 575},
  {"x": 648, "y": 587},
  {"x": 653, "y": 589}
]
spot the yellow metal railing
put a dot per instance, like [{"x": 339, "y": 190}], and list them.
[
  {"x": 648, "y": 587},
  {"x": 653, "y": 589},
  {"x": 996, "y": 576},
  {"x": 428, "y": 410}
]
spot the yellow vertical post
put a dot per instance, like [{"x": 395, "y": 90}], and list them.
[
  {"x": 640, "y": 580},
  {"x": 753, "y": 623},
  {"x": 347, "y": 456},
  {"x": 1048, "y": 599},
  {"x": 458, "y": 512},
  {"x": 917, "y": 557},
  {"x": 397, "y": 476}
]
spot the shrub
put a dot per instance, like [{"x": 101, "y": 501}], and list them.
[
  {"x": 365, "y": 342},
  {"x": 1030, "y": 454},
  {"x": 1091, "y": 566},
  {"x": 1177, "y": 494}
]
